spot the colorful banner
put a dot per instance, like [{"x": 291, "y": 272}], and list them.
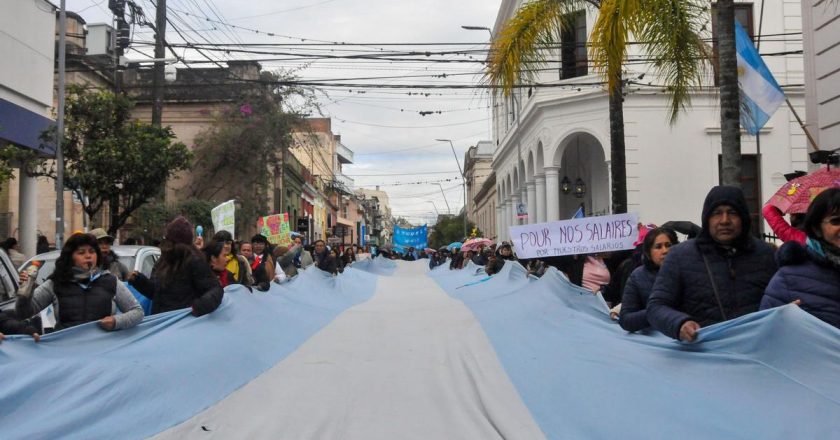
[
  {"x": 405, "y": 238},
  {"x": 224, "y": 217},
  {"x": 588, "y": 235},
  {"x": 276, "y": 229}
]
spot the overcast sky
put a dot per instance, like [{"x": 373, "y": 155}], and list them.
[{"x": 382, "y": 126}]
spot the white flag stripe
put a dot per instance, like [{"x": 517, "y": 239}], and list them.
[
  {"x": 765, "y": 95},
  {"x": 411, "y": 363}
]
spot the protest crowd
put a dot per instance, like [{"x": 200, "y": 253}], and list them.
[{"x": 719, "y": 271}]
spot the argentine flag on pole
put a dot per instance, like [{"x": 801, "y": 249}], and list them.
[{"x": 760, "y": 93}]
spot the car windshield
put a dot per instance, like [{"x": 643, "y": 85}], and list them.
[{"x": 46, "y": 267}]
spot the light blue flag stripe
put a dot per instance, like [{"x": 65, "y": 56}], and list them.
[
  {"x": 86, "y": 383},
  {"x": 771, "y": 374},
  {"x": 760, "y": 93}
]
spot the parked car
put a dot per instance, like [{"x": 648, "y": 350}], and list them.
[{"x": 139, "y": 258}]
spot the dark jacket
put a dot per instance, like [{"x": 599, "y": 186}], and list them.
[
  {"x": 683, "y": 290},
  {"x": 809, "y": 277},
  {"x": 10, "y": 325},
  {"x": 77, "y": 305},
  {"x": 326, "y": 262},
  {"x": 195, "y": 286},
  {"x": 259, "y": 272},
  {"x": 637, "y": 290}
]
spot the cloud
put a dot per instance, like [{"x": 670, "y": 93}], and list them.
[{"x": 375, "y": 117}]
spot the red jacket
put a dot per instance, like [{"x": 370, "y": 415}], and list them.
[{"x": 781, "y": 227}]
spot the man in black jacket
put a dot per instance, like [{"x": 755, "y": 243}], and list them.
[{"x": 718, "y": 276}]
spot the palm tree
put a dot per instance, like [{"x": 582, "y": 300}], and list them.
[
  {"x": 671, "y": 32},
  {"x": 730, "y": 108}
]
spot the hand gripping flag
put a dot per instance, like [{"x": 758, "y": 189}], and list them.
[{"x": 761, "y": 95}]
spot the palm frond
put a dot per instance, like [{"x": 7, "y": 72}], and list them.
[
  {"x": 520, "y": 47},
  {"x": 617, "y": 19},
  {"x": 671, "y": 31}
]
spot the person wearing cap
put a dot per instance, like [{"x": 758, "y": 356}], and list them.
[
  {"x": 181, "y": 278},
  {"x": 110, "y": 261},
  {"x": 718, "y": 276}
]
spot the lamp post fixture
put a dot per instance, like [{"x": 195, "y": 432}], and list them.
[
  {"x": 433, "y": 204},
  {"x": 566, "y": 185},
  {"x": 580, "y": 188},
  {"x": 463, "y": 180},
  {"x": 448, "y": 209},
  {"x": 478, "y": 28}
]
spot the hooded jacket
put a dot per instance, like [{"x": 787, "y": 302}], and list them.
[
  {"x": 683, "y": 290},
  {"x": 637, "y": 290},
  {"x": 805, "y": 275}
]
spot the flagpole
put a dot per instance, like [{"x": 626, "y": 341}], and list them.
[{"x": 802, "y": 125}]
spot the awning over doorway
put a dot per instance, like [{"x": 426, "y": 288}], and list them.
[{"x": 24, "y": 127}]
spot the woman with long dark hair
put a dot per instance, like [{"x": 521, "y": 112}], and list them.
[
  {"x": 810, "y": 275},
  {"x": 181, "y": 278},
  {"x": 656, "y": 245},
  {"x": 80, "y": 291},
  {"x": 236, "y": 264},
  {"x": 262, "y": 264}
]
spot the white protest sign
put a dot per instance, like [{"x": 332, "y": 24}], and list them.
[
  {"x": 577, "y": 236},
  {"x": 223, "y": 217}
]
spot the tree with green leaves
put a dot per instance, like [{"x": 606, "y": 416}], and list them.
[
  {"x": 448, "y": 230},
  {"x": 241, "y": 154},
  {"x": 151, "y": 219},
  {"x": 111, "y": 159},
  {"x": 670, "y": 29}
]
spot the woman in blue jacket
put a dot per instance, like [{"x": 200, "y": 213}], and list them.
[
  {"x": 811, "y": 273},
  {"x": 633, "y": 314}
]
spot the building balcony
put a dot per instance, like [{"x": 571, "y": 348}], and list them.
[
  {"x": 344, "y": 183},
  {"x": 343, "y": 154}
]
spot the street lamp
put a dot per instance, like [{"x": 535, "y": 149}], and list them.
[
  {"x": 478, "y": 28},
  {"x": 448, "y": 209},
  {"x": 433, "y": 204},
  {"x": 463, "y": 180}
]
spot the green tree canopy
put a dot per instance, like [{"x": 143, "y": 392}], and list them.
[
  {"x": 111, "y": 158},
  {"x": 237, "y": 156},
  {"x": 448, "y": 230}
]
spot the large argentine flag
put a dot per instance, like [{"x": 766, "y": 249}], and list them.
[
  {"x": 390, "y": 350},
  {"x": 760, "y": 93}
]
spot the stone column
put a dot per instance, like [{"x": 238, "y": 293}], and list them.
[
  {"x": 540, "y": 198},
  {"x": 514, "y": 202},
  {"x": 532, "y": 202},
  {"x": 552, "y": 193},
  {"x": 28, "y": 214},
  {"x": 498, "y": 223},
  {"x": 506, "y": 219}
]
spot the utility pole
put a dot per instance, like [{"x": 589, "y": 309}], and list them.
[
  {"x": 121, "y": 36},
  {"x": 463, "y": 180},
  {"x": 59, "y": 133},
  {"x": 160, "y": 73}
]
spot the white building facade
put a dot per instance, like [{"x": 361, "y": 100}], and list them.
[
  {"x": 27, "y": 45},
  {"x": 552, "y": 144},
  {"x": 821, "y": 36},
  {"x": 479, "y": 177}
]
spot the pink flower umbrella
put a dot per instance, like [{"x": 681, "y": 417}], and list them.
[
  {"x": 795, "y": 196},
  {"x": 475, "y": 243}
]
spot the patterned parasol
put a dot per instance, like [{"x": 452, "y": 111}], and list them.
[{"x": 795, "y": 196}]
